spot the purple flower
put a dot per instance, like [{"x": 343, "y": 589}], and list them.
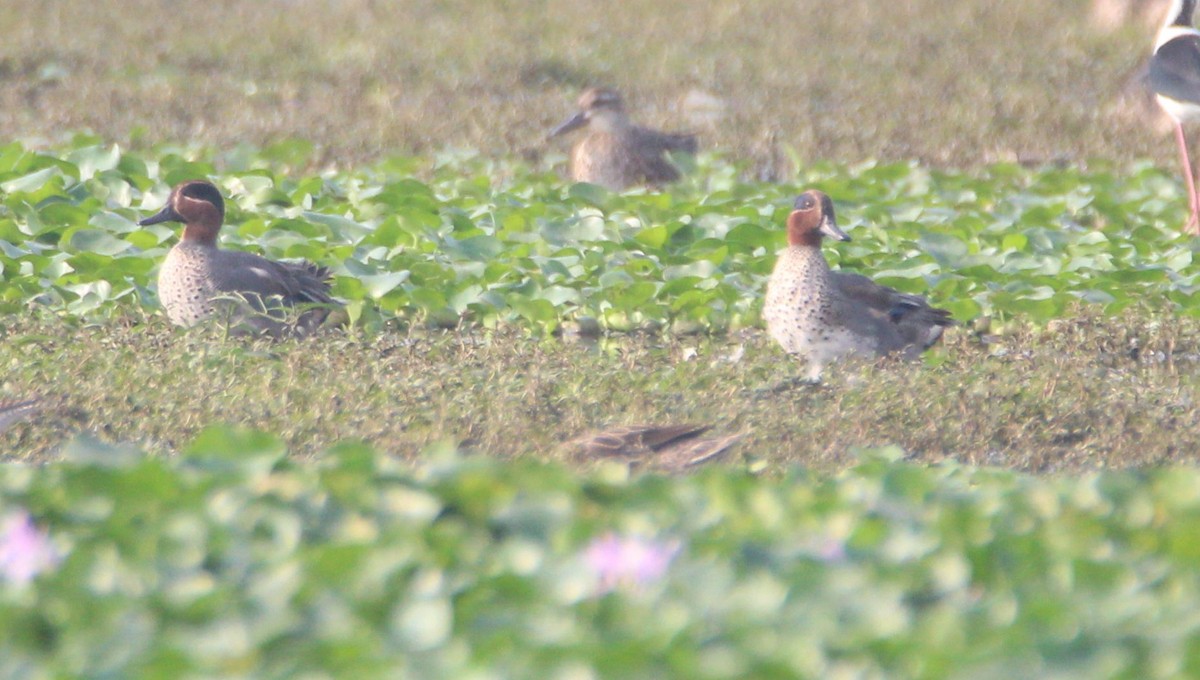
[
  {"x": 623, "y": 560},
  {"x": 25, "y": 551}
]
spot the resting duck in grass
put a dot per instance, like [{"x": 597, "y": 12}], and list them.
[
  {"x": 615, "y": 153},
  {"x": 198, "y": 278},
  {"x": 13, "y": 410},
  {"x": 823, "y": 315},
  {"x": 670, "y": 448}
]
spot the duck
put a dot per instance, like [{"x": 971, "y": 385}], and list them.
[
  {"x": 198, "y": 277},
  {"x": 670, "y": 448},
  {"x": 1174, "y": 77},
  {"x": 615, "y": 153},
  {"x": 823, "y": 315},
  {"x": 13, "y": 410}
]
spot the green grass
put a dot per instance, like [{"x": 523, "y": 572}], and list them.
[
  {"x": 959, "y": 85},
  {"x": 1070, "y": 399}
]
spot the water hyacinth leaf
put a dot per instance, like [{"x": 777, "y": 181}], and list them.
[
  {"x": 653, "y": 237},
  {"x": 1178, "y": 261},
  {"x": 694, "y": 300},
  {"x": 680, "y": 286},
  {"x": 13, "y": 251},
  {"x": 63, "y": 214},
  {"x": 1014, "y": 242},
  {"x": 428, "y": 299},
  {"x": 88, "y": 296},
  {"x": 407, "y": 193},
  {"x": 344, "y": 229},
  {"x": 113, "y": 223},
  {"x": 423, "y": 625},
  {"x": 700, "y": 269},
  {"x": 755, "y": 236},
  {"x": 560, "y": 295},
  {"x": 945, "y": 248},
  {"x": 30, "y": 182},
  {"x": 98, "y": 242},
  {"x": 378, "y": 285},
  {"x": 635, "y": 295},
  {"x": 916, "y": 271},
  {"x": 94, "y": 159},
  {"x": 257, "y": 190},
  {"x": 1144, "y": 275},
  {"x": 471, "y": 295},
  {"x": 590, "y": 194},
  {"x": 463, "y": 238},
  {"x": 962, "y": 309},
  {"x": 86, "y": 450},
  {"x": 354, "y": 311},
  {"x": 718, "y": 253},
  {"x": 572, "y": 230},
  {"x": 540, "y": 311},
  {"x": 365, "y": 566},
  {"x": 244, "y": 448},
  {"x": 478, "y": 248}
]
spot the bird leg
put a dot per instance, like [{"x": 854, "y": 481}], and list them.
[{"x": 1193, "y": 223}]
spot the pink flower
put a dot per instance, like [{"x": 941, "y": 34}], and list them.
[
  {"x": 634, "y": 561},
  {"x": 25, "y": 551},
  {"x": 829, "y": 550}
]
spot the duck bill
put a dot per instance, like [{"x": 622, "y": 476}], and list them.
[
  {"x": 830, "y": 229},
  {"x": 573, "y": 123},
  {"x": 167, "y": 214}
]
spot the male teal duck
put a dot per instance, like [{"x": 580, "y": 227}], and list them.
[
  {"x": 198, "y": 277},
  {"x": 822, "y": 315}
]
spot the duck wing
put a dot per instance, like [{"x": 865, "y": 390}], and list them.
[
  {"x": 12, "y": 410},
  {"x": 669, "y": 448},
  {"x": 311, "y": 282},
  {"x": 294, "y": 282},
  {"x": 652, "y": 148},
  {"x": 692, "y": 452},
  {"x": 683, "y": 142},
  {"x": 631, "y": 441},
  {"x": 915, "y": 321}
]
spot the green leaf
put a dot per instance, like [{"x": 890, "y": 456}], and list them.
[
  {"x": 99, "y": 242},
  {"x": 31, "y": 182},
  {"x": 378, "y": 285}
]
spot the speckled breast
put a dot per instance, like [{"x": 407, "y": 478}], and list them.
[
  {"x": 794, "y": 304},
  {"x": 185, "y": 284}
]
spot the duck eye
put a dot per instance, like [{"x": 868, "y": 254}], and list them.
[{"x": 806, "y": 203}]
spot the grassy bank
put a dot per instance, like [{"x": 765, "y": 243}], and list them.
[
  {"x": 959, "y": 85},
  {"x": 1073, "y": 399},
  {"x": 467, "y": 295}
]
